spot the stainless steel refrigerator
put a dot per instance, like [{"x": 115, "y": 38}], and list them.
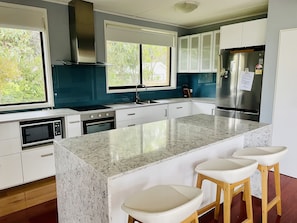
[{"x": 239, "y": 83}]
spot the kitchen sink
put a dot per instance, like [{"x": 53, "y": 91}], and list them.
[{"x": 146, "y": 102}]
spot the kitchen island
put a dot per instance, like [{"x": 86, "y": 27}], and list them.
[{"x": 96, "y": 172}]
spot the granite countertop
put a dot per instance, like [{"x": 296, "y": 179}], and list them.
[{"x": 116, "y": 152}]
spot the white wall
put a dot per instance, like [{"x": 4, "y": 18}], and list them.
[{"x": 281, "y": 15}]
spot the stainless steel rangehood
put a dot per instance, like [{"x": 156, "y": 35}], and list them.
[{"x": 82, "y": 35}]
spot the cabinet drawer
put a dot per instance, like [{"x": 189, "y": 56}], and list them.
[
  {"x": 10, "y": 171},
  {"x": 177, "y": 110},
  {"x": 128, "y": 114},
  {"x": 9, "y": 130},
  {"x": 38, "y": 163},
  {"x": 10, "y": 146}
]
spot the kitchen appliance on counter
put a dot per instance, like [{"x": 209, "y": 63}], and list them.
[
  {"x": 38, "y": 132},
  {"x": 96, "y": 118},
  {"x": 239, "y": 83}
]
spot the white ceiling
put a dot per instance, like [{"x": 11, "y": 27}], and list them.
[{"x": 163, "y": 11}]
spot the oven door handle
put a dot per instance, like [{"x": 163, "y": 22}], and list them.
[{"x": 99, "y": 122}]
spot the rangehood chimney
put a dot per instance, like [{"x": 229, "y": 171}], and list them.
[{"x": 82, "y": 35}]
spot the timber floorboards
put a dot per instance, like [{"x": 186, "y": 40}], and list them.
[{"x": 47, "y": 212}]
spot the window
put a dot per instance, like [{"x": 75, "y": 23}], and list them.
[
  {"x": 139, "y": 55},
  {"x": 25, "y": 75}
]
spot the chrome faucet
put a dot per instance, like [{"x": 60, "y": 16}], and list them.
[{"x": 137, "y": 97}]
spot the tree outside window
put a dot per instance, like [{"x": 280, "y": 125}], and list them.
[{"x": 22, "y": 78}]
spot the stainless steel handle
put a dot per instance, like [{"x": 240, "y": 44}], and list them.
[
  {"x": 131, "y": 125},
  {"x": 179, "y": 107},
  {"x": 48, "y": 154},
  {"x": 73, "y": 122},
  {"x": 249, "y": 113},
  {"x": 98, "y": 123},
  {"x": 130, "y": 114}
]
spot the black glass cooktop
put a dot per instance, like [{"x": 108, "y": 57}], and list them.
[{"x": 90, "y": 107}]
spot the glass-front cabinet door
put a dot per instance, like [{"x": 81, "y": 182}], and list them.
[
  {"x": 183, "y": 54},
  {"x": 194, "y": 53},
  {"x": 216, "y": 50},
  {"x": 206, "y": 51}
]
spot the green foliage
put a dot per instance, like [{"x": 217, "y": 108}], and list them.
[
  {"x": 125, "y": 64},
  {"x": 21, "y": 67}
]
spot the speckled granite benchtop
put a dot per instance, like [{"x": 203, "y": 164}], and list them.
[{"x": 87, "y": 166}]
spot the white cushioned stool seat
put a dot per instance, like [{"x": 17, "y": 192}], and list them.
[
  {"x": 164, "y": 203},
  {"x": 228, "y": 170},
  {"x": 265, "y": 156}
]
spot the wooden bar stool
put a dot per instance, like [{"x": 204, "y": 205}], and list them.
[
  {"x": 227, "y": 174},
  {"x": 268, "y": 158},
  {"x": 164, "y": 204}
]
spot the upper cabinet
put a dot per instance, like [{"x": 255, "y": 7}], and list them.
[
  {"x": 245, "y": 34},
  {"x": 198, "y": 52}
]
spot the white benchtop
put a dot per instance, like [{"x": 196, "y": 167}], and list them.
[{"x": 32, "y": 115}]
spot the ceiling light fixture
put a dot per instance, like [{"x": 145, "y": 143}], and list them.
[{"x": 186, "y": 6}]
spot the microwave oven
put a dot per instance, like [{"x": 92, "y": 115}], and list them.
[{"x": 40, "y": 132}]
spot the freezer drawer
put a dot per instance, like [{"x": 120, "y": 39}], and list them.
[{"x": 237, "y": 114}]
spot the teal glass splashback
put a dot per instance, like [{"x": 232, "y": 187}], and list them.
[{"x": 79, "y": 85}]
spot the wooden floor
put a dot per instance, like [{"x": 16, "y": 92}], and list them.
[{"x": 47, "y": 212}]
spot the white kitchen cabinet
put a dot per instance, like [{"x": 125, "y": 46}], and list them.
[
  {"x": 245, "y": 34},
  {"x": 203, "y": 108},
  {"x": 10, "y": 141},
  {"x": 10, "y": 171},
  {"x": 216, "y": 50},
  {"x": 183, "y": 53},
  {"x": 206, "y": 51},
  {"x": 180, "y": 109},
  {"x": 10, "y": 158},
  {"x": 139, "y": 115},
  {"x": 201, "y": 53},
  {"x": 38, "y": 163},
  {"x": 72, "y": 126}
]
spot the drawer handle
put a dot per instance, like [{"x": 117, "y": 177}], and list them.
[
  {"x": 131, "y": 125},
  {"x": 73, "y": 122},
  {"x": 131, "y": 114},
  {"x": 179, "y": 107},
  {"x": 48, "y": 154}
]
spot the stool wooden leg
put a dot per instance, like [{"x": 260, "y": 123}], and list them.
[
  {"x": 248, "y": 200},
  {"x": 264, "y": 176},
  {"x": 191, "y": 219},
  {"x": 130, "y": 219},
  {"x": 277, "y": 189},
  {"x": 227, "y": 202},
  {"x": 218, "y": 199}
]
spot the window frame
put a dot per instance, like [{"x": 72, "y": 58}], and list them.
[
  {"x": 49, "y": 95},
  {"x": 172, "y": 54}
]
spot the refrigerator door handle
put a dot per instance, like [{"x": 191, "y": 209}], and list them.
[{"x": 249, "y": 113}]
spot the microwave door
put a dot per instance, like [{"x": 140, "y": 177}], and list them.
[{"x": 32, "y": 134}]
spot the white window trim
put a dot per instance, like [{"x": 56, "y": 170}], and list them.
[
  {"x": 46, "y": 51},
  {"x": 173, "y": 74}
]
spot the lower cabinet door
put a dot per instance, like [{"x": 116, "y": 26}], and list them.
[
  {"x": 10, "y": 171},
  {"x": 38, "y": 163}
]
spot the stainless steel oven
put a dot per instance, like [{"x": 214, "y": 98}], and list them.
[{"x": 98, "y": 122}]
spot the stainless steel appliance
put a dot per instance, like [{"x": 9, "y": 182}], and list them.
[
  {"x": 96, "y": 118},
  {"x": 40, "y": 131},
  {"x": 239, "y": 83}
]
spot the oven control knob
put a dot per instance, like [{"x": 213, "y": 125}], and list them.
[
  {"x": 99, "y": 115},
  {"x": 91, "y": 116}
]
